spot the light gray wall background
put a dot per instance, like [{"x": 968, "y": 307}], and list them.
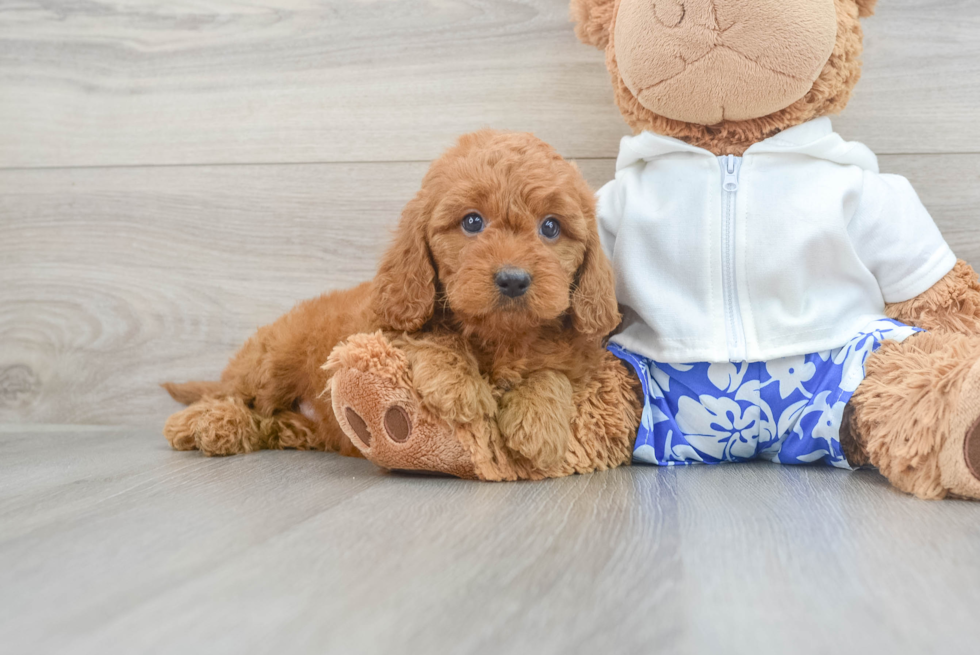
[{"x": 174, "y": 175}]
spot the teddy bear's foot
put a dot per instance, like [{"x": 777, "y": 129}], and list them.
[
  {"x": 379, "y": 411},
  {"x": 959, "y": 461},
  {"x": 917, "y": 414}
]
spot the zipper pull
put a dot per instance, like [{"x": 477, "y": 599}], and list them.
[{"x": 731, "y": 174}]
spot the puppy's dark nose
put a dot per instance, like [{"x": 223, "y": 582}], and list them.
[{"x": 512, "y": 282}]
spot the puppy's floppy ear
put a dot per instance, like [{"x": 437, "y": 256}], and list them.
[
  {"x": 594, "y": 307},
  {"x": 593, "y": 18},
  {"x": 866, "y": 7},
  {"x": 405, "y": 285}
]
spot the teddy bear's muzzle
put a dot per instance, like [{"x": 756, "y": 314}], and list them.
[{"x": 705, "y": 61}]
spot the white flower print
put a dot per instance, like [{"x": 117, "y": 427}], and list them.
[
  {"x": 683, "y": 452},
  {"x": 659, "y": 383},
  {"x": 774, "y": 429},
  {"x": 824, "y": 355},
  {"x": 658, "y": 380},
  {"x": 773, "y": 434},
  {"x": 652, "y": 415},
  {"x": 645, "y": 454},
  {"x": 827, "y": 427},
  {"x": 790, "y": 373},
  {"x": 825, "y": 431},
  {"x": 718, "y": 427},
  {"x": 790, "y": 418},
  {"x": 726, "y": 376},
  {"x": 724, "y": 412}
]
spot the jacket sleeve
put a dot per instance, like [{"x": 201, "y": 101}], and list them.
[
  {"x": 609, "y": 212},
  {"x": 896, "y": 238}
]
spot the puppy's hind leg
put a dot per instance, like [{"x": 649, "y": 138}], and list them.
[
  {"x": 227, "y": 426},
  {"x": 181, "y": 427}
]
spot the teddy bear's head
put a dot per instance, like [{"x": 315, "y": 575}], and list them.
[{"x": 724, "y": 74}]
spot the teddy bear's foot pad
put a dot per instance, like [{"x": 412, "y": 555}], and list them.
[
  {"x": 384, "y": 421},
  {"x": 971, "y": 450},
  {"x": 959, "y": 461}
]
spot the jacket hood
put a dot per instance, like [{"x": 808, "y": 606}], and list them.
[{"x": 815, "y": 138}]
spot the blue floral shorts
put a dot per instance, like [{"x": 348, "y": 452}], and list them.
[{"x": 788, "y": 410}]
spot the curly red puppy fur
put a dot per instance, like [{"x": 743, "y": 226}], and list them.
[{"x": 495, "y": 296}]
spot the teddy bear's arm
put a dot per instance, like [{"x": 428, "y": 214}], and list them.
[{"x": 951, "y": 305}]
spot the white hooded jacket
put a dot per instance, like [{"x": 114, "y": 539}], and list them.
[{"x": 788, "y": 250}]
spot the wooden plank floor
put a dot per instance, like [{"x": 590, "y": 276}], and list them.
[
  {"x": 110, "y": 542},
  {"x": 173, "y": 175}
]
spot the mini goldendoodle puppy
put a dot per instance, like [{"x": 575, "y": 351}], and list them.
[{"x": 477, "y": 350}]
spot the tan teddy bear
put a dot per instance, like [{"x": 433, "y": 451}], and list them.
[{"x": 784, "y": 299}]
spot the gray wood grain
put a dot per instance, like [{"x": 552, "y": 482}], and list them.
[
  {"x": 116, "y": 279},
  {"x": 215, "y": 81},
  {"x": 112, "y": 543},
  {"x": 114, "y": 275}
]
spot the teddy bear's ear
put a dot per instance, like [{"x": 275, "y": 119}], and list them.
[
  {"x": 593, "y": 19},
  {"x": 866, "y": 7}
]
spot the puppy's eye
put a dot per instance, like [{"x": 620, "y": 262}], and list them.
[
  {"x": 550, "y": 228},
  {"x": 473, "y": 223}
]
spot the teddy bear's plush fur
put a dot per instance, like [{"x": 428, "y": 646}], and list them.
[
  {"x": 917, "y": 415},
  {"x": 437, "y": 368}
]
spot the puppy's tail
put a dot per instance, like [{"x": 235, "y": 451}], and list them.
[{"x": 191, "y": 392}]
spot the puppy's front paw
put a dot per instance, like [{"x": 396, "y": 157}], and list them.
[{"x": 535, "y": 418}]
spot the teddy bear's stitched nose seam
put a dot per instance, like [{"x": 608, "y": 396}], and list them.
[{"x": 674, "y": 14}]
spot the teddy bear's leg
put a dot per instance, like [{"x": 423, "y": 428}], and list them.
[
  {"x": 917, "y": 414},
  {"x": 414, "y": 406},
  {"x": 227, "y": 426}
]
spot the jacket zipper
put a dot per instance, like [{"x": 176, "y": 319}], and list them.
[{"x": 731, "y": 166}]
